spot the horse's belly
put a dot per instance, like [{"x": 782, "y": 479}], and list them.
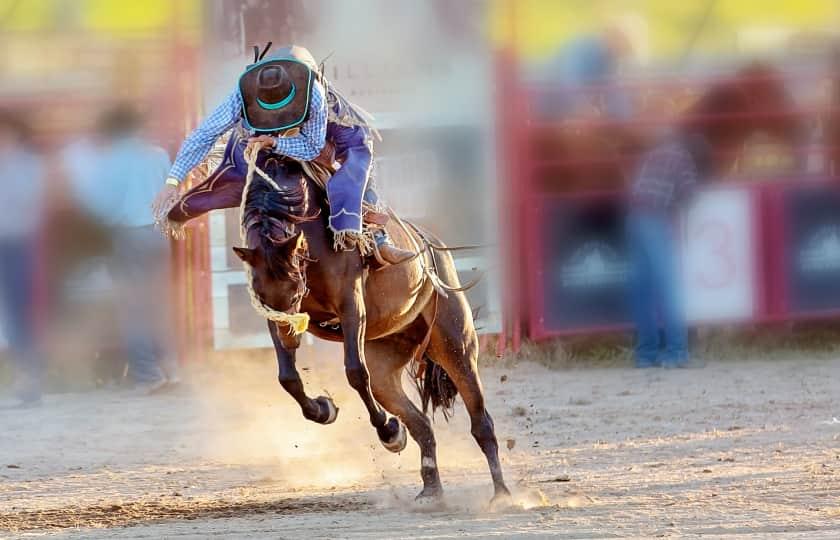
[{"x": 394, "y": 297}]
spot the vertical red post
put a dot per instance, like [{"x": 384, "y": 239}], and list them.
[
  {"x": 511, "y": 132},
  {"x": 502, "y": 71},
  {"x": 190, "y": 256},
  {"x": 509, "y": 195},
  {"x": 773, "y": 273}
]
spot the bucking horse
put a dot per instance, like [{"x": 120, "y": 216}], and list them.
[{"x": 412, "y": 316}]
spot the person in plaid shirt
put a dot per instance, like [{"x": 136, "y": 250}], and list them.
[
  {"x": 304, "y": 146},
  {"x": 666, "y": 177},
  {"x": 288, "y": 108}
]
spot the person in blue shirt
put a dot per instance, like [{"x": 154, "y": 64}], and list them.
[
  {"x": 583, "y": 68},
  {"x": 667, "y": 176},
  {"x": 21, "y": 213},
  {"x": 118, "y": 188}
]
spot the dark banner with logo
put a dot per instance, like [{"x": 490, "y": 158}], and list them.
[
  {"x": 813, "y": 248},
  {"x": 585, "y": 265}
]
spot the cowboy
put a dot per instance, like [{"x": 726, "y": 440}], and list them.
[
  {"x": 289, "y": 108},
  {"x": 667, "y": 177}
]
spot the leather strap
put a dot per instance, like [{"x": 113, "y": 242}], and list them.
[{"x": 421, "y": 349}]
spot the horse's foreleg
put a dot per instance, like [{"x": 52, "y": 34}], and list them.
[
  {"x": 321, "y": 409},
  {"x": 390, "y": 431}
]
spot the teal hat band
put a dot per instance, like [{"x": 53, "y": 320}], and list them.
[{"x": 280, "y": 104}]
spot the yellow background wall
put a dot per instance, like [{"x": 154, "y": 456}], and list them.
[{"x": 540, "y": 26}]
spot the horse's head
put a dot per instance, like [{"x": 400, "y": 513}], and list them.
[
  {"x": 753, "y": 101},
  {"x": 276, "y": 251},
  {"x": 278, "y": 271}
]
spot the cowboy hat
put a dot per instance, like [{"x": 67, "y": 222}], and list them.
[{"x": 276, "y": 91}]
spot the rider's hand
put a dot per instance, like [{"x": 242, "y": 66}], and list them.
[
  {"x": 263, "y": 142},
  {"x": 163, "y": 200}
]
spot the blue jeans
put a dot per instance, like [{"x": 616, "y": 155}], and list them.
[
  {"x": 17, "y": 268},
  {"x": 139, "y": 271},
  {"x": 654, "y": 291}
]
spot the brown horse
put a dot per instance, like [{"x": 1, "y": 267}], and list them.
[{"x": 386, "y": 318}]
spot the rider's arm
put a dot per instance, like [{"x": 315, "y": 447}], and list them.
[
  {"x": 307, "y": 145},
  {"x": 201, "y": 140}
]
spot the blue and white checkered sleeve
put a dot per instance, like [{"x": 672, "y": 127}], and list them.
[
  {"x": 306, "y": 145},
  {"x": 201, "y": 140}
]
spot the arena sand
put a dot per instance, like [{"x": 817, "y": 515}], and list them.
[{"x": 737, "y": 450}]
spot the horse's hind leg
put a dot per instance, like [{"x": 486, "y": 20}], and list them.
[
  {"x": 386, "y": 366},
  {"x": 454, "y": 346}
]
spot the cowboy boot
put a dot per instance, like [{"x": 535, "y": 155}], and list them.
[{"x": 386, "y": 252}]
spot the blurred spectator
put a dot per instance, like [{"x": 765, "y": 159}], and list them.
[
  {"x": 585, "y": 68},
  {"x": 21, "y": 213},
  {"x": 666, "y": 177},
  {"x": 118, "y": 188}
]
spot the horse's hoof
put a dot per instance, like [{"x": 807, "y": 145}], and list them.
[
  {"x": 430, "y": 494},
  {"x": 328, "y": 409},
  {"x": 501, "y": 499},
  {"x": 430, "y": 499},
  {"x": 398, "y": 442}
]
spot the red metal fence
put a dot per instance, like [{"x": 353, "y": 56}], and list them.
[{"x": 764, "y": 247}]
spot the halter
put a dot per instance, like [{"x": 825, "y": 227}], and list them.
[{"x": 297, "y": 322}]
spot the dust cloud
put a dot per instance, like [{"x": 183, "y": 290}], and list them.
[{"x": 249, "y": 420}]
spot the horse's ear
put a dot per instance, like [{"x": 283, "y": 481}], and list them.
[{"x": 247, "y": 255}]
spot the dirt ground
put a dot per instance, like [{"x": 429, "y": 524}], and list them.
[{"x": 737, "y": 450}]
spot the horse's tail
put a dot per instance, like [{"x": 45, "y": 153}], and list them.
[{"x": 435, "y": 387}]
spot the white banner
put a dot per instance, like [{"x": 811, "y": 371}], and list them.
[{"x": 718, "y": 256}]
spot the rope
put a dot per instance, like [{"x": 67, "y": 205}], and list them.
[
  {"x": 441, "y": 287},
  {"x": 431, "y": 247},
  {"x": 297, "y": 322},
  {"x": 418, "y": 250},
  {"x": 426, "y": 235}
]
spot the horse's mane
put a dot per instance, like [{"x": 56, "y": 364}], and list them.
[{"x": 272, "y": 214}]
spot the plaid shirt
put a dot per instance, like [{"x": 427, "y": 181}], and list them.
[
  {"x": 305, "y": 146},
  {"x": 666, "y": 177}
]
